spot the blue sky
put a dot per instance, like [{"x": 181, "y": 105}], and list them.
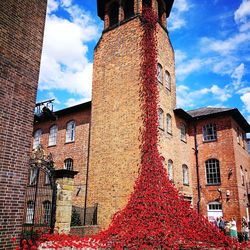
[{"x": 211, "y": 39}]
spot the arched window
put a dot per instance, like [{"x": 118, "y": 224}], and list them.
[
  {"x": 160, "y": 10},
  {"x": 37, "y": 138},
  {"x": 167, "y": 80},
  {"x": 209, "y": 132},
  {"x": 170, "y": 170},
  {"x": 183, "y": 132},
  {"x": 128, "y": 7},
  {"x": 30, "y": 212},
  {"x": 146, "y": 3},
  {"x": 70, "y": 131},
  {"x": 33, "y": 176},
  {"x": 159, "y": 73},
  {"x": 185, "y": 174},
  {"x": 213, "y": 172},
  {"x": 113, "y": 14},
  {"x": 68, "y": 164},
  {"x": 160, "y": 118},
  {"x": 242, "y": 175},
  {"x": 169, "y": 123},
  {"x": 52, "y": 135},
  {"x": 46, "y": 212}
]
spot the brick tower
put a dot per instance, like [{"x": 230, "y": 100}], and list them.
[
  {"x": 116, "y": 112},
  {"x": 21, "y": 36}
]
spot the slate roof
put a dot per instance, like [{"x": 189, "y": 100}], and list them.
[{"x": 207, "y": 111}]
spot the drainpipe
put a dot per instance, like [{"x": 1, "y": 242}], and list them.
[
  {"x": 197, "y": 167},
  {"x": 87, "y": 177}
]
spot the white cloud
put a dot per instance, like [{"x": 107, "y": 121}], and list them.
[
  {"x": 177, "y": 20},
  {"x": 224, "y": 47},
  {"x": 64, "y": 63},
  {"x": 238, "y": 74},
  {"x": 187, "y": 67},
  {"x": 52, "y": 6},
  {"x": 245, "y": 98},
  {"x": 188, "y": 98},
  {"x": 242, "y": 12},
  {"x": 221, "y": 94},
  {"x": 72, "y": 101}
]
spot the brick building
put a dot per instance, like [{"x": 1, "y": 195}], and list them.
[
  {"x": 21, "y": 36},
  {"x": 205, "y": 150}
]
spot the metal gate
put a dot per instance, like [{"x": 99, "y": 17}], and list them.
[{"x": 39, "y": 216}]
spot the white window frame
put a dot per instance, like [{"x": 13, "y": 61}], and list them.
[
  {"x": 159, "y": 73},
  {"x": 68, "y": 164},
  {"x": 70, "y": 131},
  {"x": 209, "y": 132},
  {"x": 183, "y": 132},
  {"x": 37, "y": 138},
  {"x": 169, "y": 123},
  {"x": 213, "y": 176},
  {"x": 242, "y": 175},
  {"x": 167, "y": 80},
  {"x": 160, "y": 119},
  {"x": 170, "y": 170},
  {"x": 52, "y": 135},
  {"x": 185, "y": 172}
]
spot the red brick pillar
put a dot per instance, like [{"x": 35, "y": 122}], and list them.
[{"x": 21, "y": 36}]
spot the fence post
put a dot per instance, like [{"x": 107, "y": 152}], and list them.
[{"x": 64, "y": 181}]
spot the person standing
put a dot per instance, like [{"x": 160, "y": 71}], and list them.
[
  {"x": 222, "y": 224},
  {"x": 245, "y": 229},
  {"x": 233, "y": 229}
]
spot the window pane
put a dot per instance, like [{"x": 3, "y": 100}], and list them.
[
  {"x": 169, "y": 123},
  {"x": 68, "y": 164},
  {"x": 70, "y": 132},
  {"x": 30, "y": 212},
  {"x": 159, "y": 73},
  {"x": 47, "y": 212},
  {"x": 33, "y": 176},
  {"x": 170, "y": 170},
  {"x": 52, "y": 135},
  {"x": 213, "y": 171},
  {"x": 167, "y": 80},
  {"x": 37, "y": 138},
  {"x": 160, "y": 117},
  {"x": 209, "y": 132}
]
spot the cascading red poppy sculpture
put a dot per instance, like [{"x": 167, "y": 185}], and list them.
[{"x": 156, "y": 216}]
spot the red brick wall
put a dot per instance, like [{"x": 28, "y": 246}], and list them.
[
  {"x": 21, "y": 24},
  {"x": 230, "y": 156},
  {"x": 76, "y": 150}
]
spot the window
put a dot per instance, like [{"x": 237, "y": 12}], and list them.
[
  {"x": 169, "y": 123},
  {"x": 114, "y": 14},
  {"x": 185, "y": 174},
  {"x": 160, "y": 118},
  {"x": 30, "y": 212},
  {"x": 214, "y": 206},
  {"x": 183, "y": 133},
  {"x": 238, "y": 135},
  {"x": 242, "y": 175},
  {"x": 128, "y": 9},
  {"x": 33, "y": 176},
  {"x": 146, "y": 3},
  {"x": 37, "y": 138},
  {"x": 70, "y": 131},
  {"x": 214, "y": 210},
  {"x": 170, "y": 170},
  {"x": 52, "y": 135},
  {"x": 243, "y": 139},
  {"x": 68, "y": 164},
  {"x": 167, "y": 80},
  {"x": 47, "y": 179},
  {"x": 47, "y": 212},
  {"x": 159, "y": 73},
  {"x": 213, "y": 172},
  {"x": 209, "y": 132}
]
